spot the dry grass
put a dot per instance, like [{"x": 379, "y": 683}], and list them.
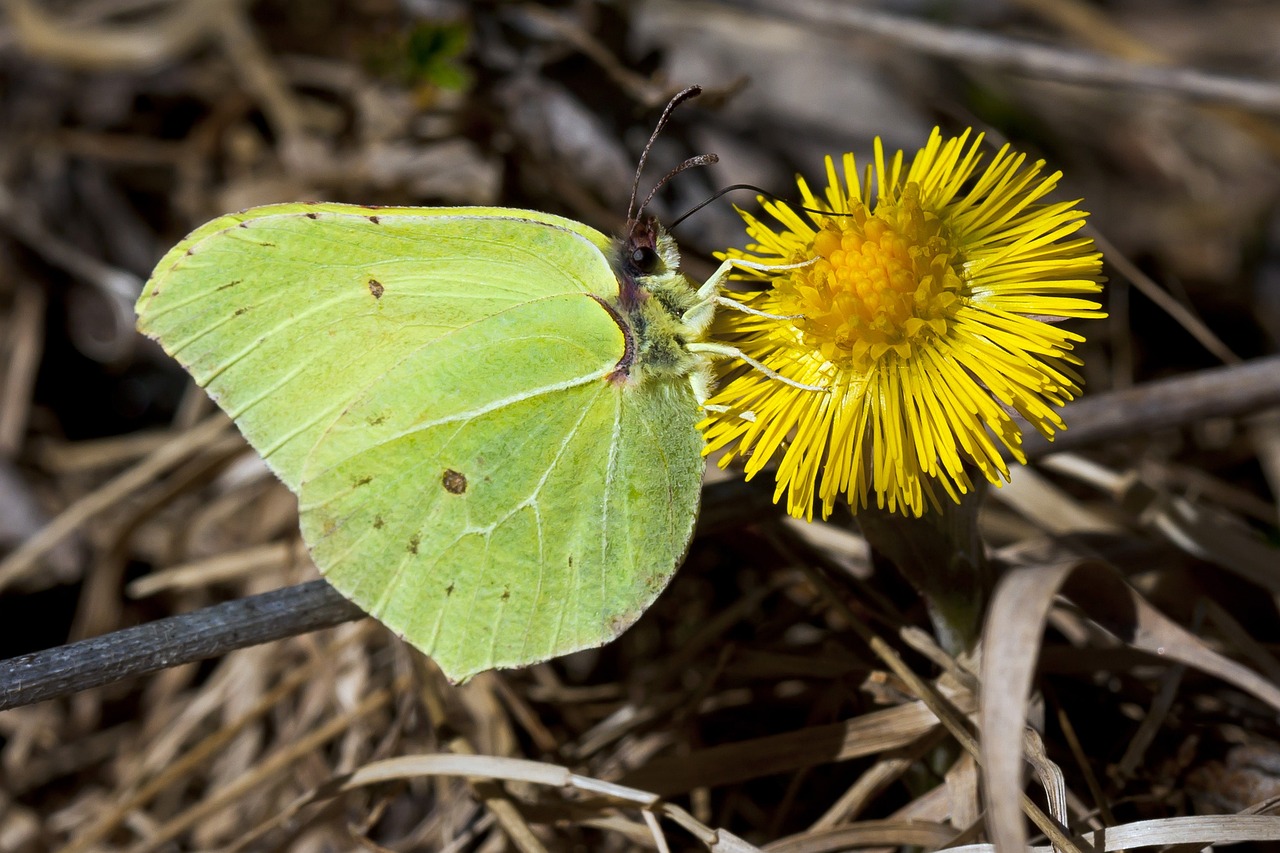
[{"x": 782, "y": 692}]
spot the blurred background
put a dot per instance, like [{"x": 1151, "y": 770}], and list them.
[{"x": 126, "y": 123}]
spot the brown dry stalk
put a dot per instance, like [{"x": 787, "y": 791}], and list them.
[
  {"x": 972, "y": 47},
  {"x": 26, "y": 556}
]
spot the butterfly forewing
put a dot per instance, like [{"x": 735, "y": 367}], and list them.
[{"x": 285, "y": 314}]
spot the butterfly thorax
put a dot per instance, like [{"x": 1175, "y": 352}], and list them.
[{"x": 654, "y": 302}]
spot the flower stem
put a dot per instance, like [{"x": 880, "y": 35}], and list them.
[{"x": 942, "y": 556}]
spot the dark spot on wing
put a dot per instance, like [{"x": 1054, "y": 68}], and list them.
[
  {"x": 378, "y": 522},
  {"x": 244, "y": 224},
  {"x": 313, "y": 215},
  {"x": 448, "y": 590},
  {"x": 230, "y": 284},
  {"x": 362, "y": 481},
  {"x": 375, "y": 220},
  {"x": 454, "y": 482},
  {"x": 377, "y": 420},
  {"x": 239, "y": 311},
  {"x": 376, "y": 288},
  {"x": 414, "y": 541},
  {"x": 506, "y": 593}
]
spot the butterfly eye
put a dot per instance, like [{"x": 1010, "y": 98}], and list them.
[{"x": 645, "y": 259}]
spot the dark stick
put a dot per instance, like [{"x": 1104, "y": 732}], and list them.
[
  {"x": 172, "y": 641},
  {"x": 214, "y": 631}
]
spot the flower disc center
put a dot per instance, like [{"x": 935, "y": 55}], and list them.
[{"x": 883, "y": 281}]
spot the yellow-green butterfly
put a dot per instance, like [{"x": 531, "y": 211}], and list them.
[{"x": 489, "y": 415}]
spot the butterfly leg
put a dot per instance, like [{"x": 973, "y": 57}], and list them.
[
  {"x": 699, "y": 317},
  {"x": 726, "y": 351}
]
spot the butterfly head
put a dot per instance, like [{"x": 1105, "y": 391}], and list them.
[{"x": 645, "y": 255}]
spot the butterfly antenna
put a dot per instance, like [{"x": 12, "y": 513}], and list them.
[
  {"x": 720, "y": 193},
  {"x": 700, "y": 160},
  {"x": 758, "y": 191},
  {"x": 680, "y": 97}
]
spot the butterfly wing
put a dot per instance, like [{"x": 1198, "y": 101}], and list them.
[{"x": 434, "y": 383}]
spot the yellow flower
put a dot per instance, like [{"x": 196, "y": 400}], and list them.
[{"x": 927, "y": 311}]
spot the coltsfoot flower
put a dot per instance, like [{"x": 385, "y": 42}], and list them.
[{"x": 927, "y": 310}]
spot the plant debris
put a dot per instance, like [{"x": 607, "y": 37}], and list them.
[{"x": 784, "y": 693}]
